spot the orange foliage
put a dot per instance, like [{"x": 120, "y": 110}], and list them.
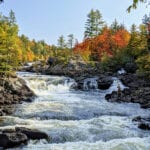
[
  {"x": 83, "y": 49},
  {"x": 105, "y": 43},
  {"x": 121, "y": 38},
  {"x": 30, "y": 56}
]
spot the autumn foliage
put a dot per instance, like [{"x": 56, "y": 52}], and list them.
[{"x": 105, "y": 43}]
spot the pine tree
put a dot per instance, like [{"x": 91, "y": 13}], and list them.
[
  {"x": 93, "y": 24},
  {"x": 61, "y": 42},
  {"x": 146, "y": 21},
  {"x": 70, "y": 41}
]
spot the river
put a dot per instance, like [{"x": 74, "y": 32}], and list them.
[{"x": 77, "y": 120}]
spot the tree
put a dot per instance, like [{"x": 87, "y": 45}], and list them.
[
  {"x": 61, "y": 42},
  {"x": 115, "y": 26},
  {"x": 12, "y": 17},
  {"x": 70, "y": 41},
  {"x": 93, "y": 24},
  {"x": 135, "y": 3},
  {"x": 146, "y": 21},
  {"x": 9, "y": 50}
]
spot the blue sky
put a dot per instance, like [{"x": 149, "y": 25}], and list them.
[{"x": 49, "y": 19}]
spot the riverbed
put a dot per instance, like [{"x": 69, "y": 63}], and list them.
[{"x": 77, "y": 119}]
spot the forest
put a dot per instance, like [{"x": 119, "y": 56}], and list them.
[{"x": 109, "y": 45}]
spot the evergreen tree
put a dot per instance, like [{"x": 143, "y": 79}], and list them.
[
  {"x": 70, "y": 41},
  {"x": 12, "y": 17},
  {"x": 115, "y": 26},
  {"x": 61, "y": 42},
  {"x": 93, "y": 24},
  {"x": 146, "y": 21}
]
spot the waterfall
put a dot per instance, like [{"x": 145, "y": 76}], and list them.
[
  {"x": 121, "y": 71},
  {"x": 43, "y": 85},
  {"x": 90, "y": 83}
]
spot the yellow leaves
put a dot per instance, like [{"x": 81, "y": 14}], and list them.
[
  {"x": 30, "y": 56},
  {"x": 143, "y": 63}
]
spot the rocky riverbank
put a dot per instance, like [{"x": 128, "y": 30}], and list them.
[
  {"x": 13, "y": 90},
  {"x": 20, "y": 135},
  {"x": 138, "y": 91}
]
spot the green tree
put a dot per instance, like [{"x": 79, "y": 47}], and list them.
[
  {"x": 146, "y": 21},
  {"x": 93, "y": 24},
  {"x": 70, "y": 41},
  {"x": 9, "y": 51},
  {"x": 12, "y": 17},
  {"x": 135, "y": 3},
  {"x": 115, "y": 26},
  {"x": 61, "y": 42}
]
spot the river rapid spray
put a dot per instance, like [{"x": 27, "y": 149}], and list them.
[{"x": 77, "y": 120}]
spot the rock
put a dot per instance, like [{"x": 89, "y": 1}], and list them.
[
  {"x": 52, "y": 61},
  {"x": 144, "y": 123},
  {"x": 130, "y": 67},
  {"x": 1, "y": 112},
  {"x": 32, "y": 134},
  {"x": 20, "y": 135},
  {"x": 113, "y": 97},
  {"x": 13, "y": 91},
  {"x": 130, "y": 80},
  {"x": 147, "y": 105},
  {"x": 144, "y": 126},
  {"x": 138, "y": 91},
  {"x": 9, "y": 140},
  {"x": 104, "y": 83}
]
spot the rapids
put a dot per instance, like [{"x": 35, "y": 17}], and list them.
[{"x": 77, "y": 120}]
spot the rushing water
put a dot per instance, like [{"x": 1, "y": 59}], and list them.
[{"x": 78, "y": 120}]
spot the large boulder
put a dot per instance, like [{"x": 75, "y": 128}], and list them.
[
  {"x": 104, "y": 82},
  {"x": 9, "y": 140},
  {"x": 140, "y": 95},
  {"x": 130, "y": 67},
  {"x": 32, "y": 134},
  {"x": 52, "y": 61},
  {"x": 13, "y": 91}
]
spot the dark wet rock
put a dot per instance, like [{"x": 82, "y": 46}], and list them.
[
  {"x": 20, "y": 135},
  {"x": 146, "y": 105},
  {"x": 143, "y": 123},
  {"x": 32, "y": 134},
  {"x": 116, "y": 97},
  {"x": 138, "y": 91},
  {"x": 141, "y": 96},
  {"x": 12, "y": 139},
  {"x": 130, "y": 67},
  {"x": 134, "y": 81},
  {"x": 104, "y": 82},
  {"x": 130, "y": 80},
  {"x": 1, "y": 112},
  {"x": 144, "y": 126},
  {"x": 52, "y": 61},
  {"x": 75, "y": 67}
]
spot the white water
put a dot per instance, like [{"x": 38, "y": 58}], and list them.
[
  {"x": 90, "y": 83},
  {"x": 78, "y": 120}
]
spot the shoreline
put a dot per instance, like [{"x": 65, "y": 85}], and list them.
[{"x": 12, "y": 92}]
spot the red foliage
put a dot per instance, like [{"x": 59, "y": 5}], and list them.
[
  {"x": 105, "y": 43},
  {"x": 121, "y": 38}
]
